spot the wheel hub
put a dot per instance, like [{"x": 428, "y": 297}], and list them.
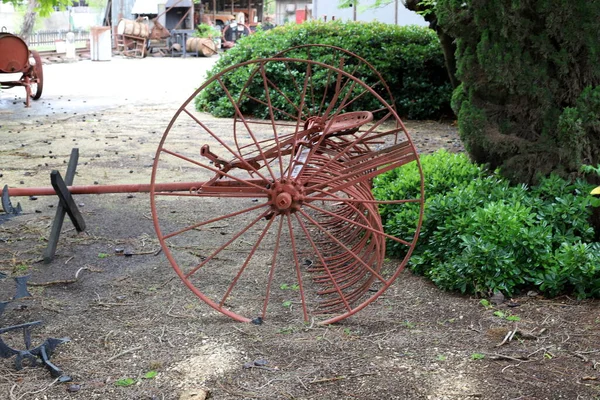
[{"x": 286, "y": 196}]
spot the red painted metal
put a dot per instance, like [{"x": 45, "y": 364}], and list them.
[
  {"x": 289, "y": 195},
  {"x": 15, "y": 58},
  {"x": 302, "y": 214}
]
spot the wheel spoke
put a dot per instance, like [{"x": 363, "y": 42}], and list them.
[
  {"x": 272, "y": 117},
  {"x": 221, "y": 248},
  {"x": 297, "y": 267},
  {"x": 241, "y": 117},
  {"x": 272, "y": 269},
  {"x": 211, "y": 221},
  {"x": 225, "y": 145},
  {"x": 245, "y": 264}
]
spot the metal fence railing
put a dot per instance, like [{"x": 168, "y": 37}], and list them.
[{"x": 47, "y": 38}]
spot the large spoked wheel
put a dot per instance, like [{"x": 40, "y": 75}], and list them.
[
  {"x": 36, "y": 82},
  {"x": 271, "y": 208}
]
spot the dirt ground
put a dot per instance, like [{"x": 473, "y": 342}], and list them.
[{"x": 129, "y": 316}]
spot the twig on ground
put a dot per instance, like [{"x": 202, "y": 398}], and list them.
[
  {"x": 176, "y": 315},
  {"x": 576, "y": 354},
  {"x": 102, "y": 304},
  {"x": 162, "y": 333},
  {"x": 106, "y": 338},
  {"x": 241, "y": 330},
  {"x": 537, "y": 351},
  {"x": 302, "y": 383},
  {"x": 12, "y": 395},
  {"x": 379, "y": 333},
  {"x": 124, "y": 353},
  {"x": 239, "y": 394},
  {"x": 524, "y": 335},
  {"x": 59, "y": 282},
  {"x": 506, "y": 339},
  {"x": 341, "y": 377},
  {"x": 165, "y": 282},
  {"x": 39, "y": 391},
  {"x": 505, "y": 357},
  {"x": 323, "y": 380}
]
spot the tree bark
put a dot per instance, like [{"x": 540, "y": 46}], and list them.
[
  {"x": 446, "y": 41},
  {"x": 29, "y": 21}
]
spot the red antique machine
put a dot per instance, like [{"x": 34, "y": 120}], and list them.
[
  {"x": 16, "y": 58},
  {"x": 274, "y": 205}
]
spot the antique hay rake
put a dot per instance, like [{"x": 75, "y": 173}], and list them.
[{"x": 275, "y": 205}]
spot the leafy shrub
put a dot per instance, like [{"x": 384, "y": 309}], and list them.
[
  {"x": 480, "y": 234},
  {"x": 410, "y": 59},
  {"x": 206, "y": 31}
]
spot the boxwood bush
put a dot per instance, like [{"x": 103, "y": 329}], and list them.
[
  {"x": 410, "y": 59},
  {"x": 480, "y": 234}
]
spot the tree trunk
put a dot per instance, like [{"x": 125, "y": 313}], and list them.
[
  {"x": 29, "y": 21},
  {"x": 446, "y": 41}
]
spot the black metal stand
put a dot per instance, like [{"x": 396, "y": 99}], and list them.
[{"x": 66, "y": 206}]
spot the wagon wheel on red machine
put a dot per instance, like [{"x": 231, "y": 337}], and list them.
[
  {"x": 36, "y": 75},
  {"x": 281, "y": 214}
]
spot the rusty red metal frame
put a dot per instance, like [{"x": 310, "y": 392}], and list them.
[
  {"x": 325, "y": 156},
  {"x": 309, "y": 178},
  {"x": 15, "y": 57}
]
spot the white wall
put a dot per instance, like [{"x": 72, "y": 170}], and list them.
[
  {"x": 385, "y": 14},
  {"x": 285, "y": 10},
  {"x": 9, "y": 18}
]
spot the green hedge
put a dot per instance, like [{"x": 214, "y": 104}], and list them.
[
  {"x": 409, "y": 58},
  {"x": 480, "y": 234}
]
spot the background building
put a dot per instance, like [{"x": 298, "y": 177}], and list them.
[{"x": 393, "y": 13}]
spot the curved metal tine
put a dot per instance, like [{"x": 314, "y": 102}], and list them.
[
  {"x": 350, "y": 145},
  {"x": 321, "y": 258},
  {"x": 346, "y": 248},
  {"x": 363, "y": 226},
  {"x": 344, "y": 152},
  {"x": 331, "y": 197}
]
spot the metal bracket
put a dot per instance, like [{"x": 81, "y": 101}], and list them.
[
  {"x": 21, "y": 291},
  {"x": 39, "y": 355},
  {"x": 42, "y": 352},
  {"x": 7, "y": 205}
]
